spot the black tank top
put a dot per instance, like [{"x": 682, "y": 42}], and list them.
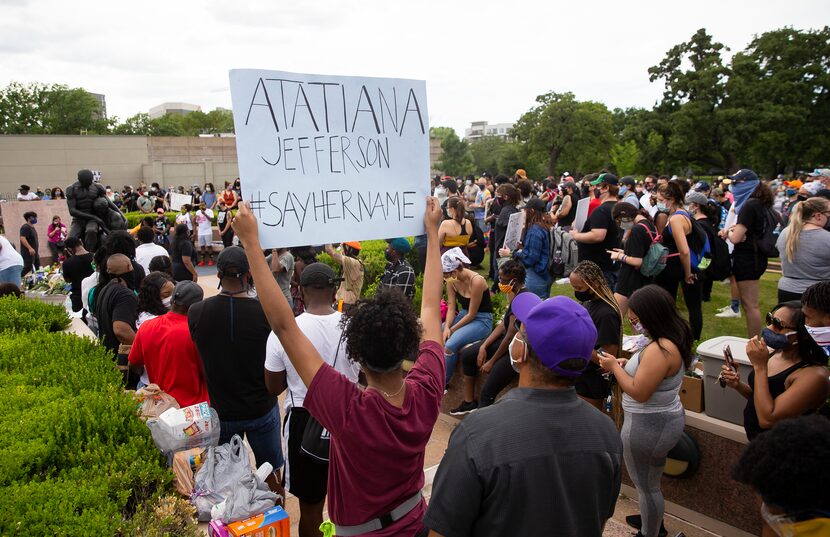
[
  {"x": 486, "y": 306},
  {"x": 568, "y": 219},
  {"x": 777, "y": 385}
]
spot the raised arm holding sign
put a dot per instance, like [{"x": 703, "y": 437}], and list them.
[{"x": 327, "y": 159}]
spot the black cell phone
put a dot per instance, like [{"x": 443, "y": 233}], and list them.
[{"x": 730, "y": 360}]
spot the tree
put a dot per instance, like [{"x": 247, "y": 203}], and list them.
[
  {"x": 138, "y": 124},
  {"x": 695, "y": 87},
  {"x": 486, "y": 153},
  {"x": 456, "y": 158},
  {"x": 441, "y": 132},
  {"x": 43, "y": 109},
  {"x": 566, "y": 131},
  {"x": 625, "y": 157}
]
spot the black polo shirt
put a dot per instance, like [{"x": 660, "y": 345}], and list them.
[{"x": 538, "y": 462}]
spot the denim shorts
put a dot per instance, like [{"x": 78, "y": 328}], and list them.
[{"x": 263, "y": 434}]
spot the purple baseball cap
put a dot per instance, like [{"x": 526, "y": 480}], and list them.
[{"x": 558, "y": 329}]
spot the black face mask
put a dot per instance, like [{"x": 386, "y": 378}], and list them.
[
  {"x": 597, "y": 193},
  {"x": 389, "y": 256},
  {"x": 583, "y": 296},
  {"x": 129, "y": 279},
  {"x": 801, "y": 198}
]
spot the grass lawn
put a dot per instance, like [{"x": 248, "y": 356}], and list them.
[{"x": 712, "y": 326}]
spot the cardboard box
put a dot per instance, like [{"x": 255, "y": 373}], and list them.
[
  {"x": 217, "y": 528},
  {"x": 691, "y": 394},
  {"x": 272, "y": 523}
]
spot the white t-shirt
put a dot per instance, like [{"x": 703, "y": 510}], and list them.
[
  {"x": 144, "y": 253},
  {"x": 86, "y": 286},
  {"x": 645, "y": 203},
  {"x": 324, "y": 332},
  {"x": 9, "y": 257},
  {"x": 204, "y": 221},
  {"x": 31, "y": 196},
  {"x": 185, "y": 219}
]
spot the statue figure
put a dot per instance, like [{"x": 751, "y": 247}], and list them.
[{"x": 93, "y": 214}]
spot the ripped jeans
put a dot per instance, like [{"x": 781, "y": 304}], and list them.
[{"x": 477, "y": 329}]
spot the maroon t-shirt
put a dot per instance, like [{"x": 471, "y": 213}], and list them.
[
  {"x": 164, "y": 347},
  {"x": 377, "y": 449}
]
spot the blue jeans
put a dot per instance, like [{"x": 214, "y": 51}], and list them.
[
  {"x": 263, "y": 434},
  {"x": 477, "y": 329},
  {"x": 538, "y": 285},
  {"x": 11, "y": 275}
]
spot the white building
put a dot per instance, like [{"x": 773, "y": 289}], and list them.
[
  {"x": 180, "y": 109},
  {"x": 479, "y": 129}
]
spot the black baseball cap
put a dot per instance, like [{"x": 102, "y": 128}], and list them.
[
  {"x": 628, "y": 180},
  {"x": 187, "y": 293},
  {"x": 744, "y": 175},
  {"x": 232, "y": 261},
  {"x": 319, "y": 275},
  {"x": 536, "y": 204}
]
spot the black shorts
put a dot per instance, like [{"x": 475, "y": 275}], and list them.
[
  {"x": 304, "y": 478},
  {"x": 591, "y": 384},
  {"x": 747, "y": 265}
]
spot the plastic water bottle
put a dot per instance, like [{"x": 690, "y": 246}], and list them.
[{"x": 264, "y": 471}]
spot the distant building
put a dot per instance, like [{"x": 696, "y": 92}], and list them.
[
  {"x": 102, "y": 104},
  {"x": 480, "y": 129},
  {"x": 178, "y": 109}
]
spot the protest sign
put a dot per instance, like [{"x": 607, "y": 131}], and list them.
[
  {"x": 331, "y": 158},
  {"x": 178, "y": 200},
  {"x": 581, "y": 215},
  {"x": 515, "y": 225}
]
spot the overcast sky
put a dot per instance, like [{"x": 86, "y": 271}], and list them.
[{"x": 481, "y": 60}]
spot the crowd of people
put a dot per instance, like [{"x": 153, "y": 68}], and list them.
[{"x": 547, "y": 455}]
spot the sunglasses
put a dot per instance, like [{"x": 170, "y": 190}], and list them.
[{"x": 777, "y": 323}]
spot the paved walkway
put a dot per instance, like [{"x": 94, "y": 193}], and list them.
[{"x": 615, "y": 527}]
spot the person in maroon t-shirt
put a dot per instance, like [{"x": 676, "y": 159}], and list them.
[
  {"x": 378, "y": 435},
  {"x": 164, "y": 347}
]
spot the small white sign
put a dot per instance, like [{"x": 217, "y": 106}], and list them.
[
  {"x": 581, "y": 215},
  {"x": 514, "y": 230},
  {"x": 177, "y": 201}
]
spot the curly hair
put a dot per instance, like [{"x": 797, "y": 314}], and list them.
[
  {"x": 381, "y": 332},
  {"x": 817, "y": 296},
  {"x": 149, "y": 296},
  {"x": 161, "y": 263},
  {"x": 120, "y": 242},
  {"x": 513, "y": 270},
  {"x": 788, "y": 466}
]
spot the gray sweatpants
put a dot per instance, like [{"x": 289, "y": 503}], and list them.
[{"x": 647, "y": 439}]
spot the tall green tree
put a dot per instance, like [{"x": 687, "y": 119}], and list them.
[
  {"x": 625, "y": 158},
  {"x": 486, "y": 153},
  {"x": 456, "y": 158},
  {"x": 49, "y": 109},
  {"x": 567, "y": 132}
]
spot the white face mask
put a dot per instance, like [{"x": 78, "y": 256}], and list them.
[
  {"x": 626, "y": 225},
  {"x": 168, "y": 302},
  {"x": 821, "y": 335},
  {"x": 514, "y": 363}
]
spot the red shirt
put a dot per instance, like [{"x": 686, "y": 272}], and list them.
[
  {"x": 377, "y": 449},
  {"x": 593, "y": 204},
  {"x": 164, "y": 347}
]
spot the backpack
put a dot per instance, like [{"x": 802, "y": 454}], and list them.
[
  {"x": 563, "y": 254},
  {"x": 765, "y": 244},
  {"x": 700, "y": 250},
  {"x": 720, "y": 266},
  {"x": 655, "y": 259}
]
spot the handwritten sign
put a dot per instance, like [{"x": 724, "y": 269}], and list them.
[
  {"x": 331, "y": 158},
  {"x": 515, "y": 225},
  {"x": 177, "y": 201},
  {"x": 581, "y": 215}
]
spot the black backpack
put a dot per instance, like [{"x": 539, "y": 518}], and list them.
[
  {"x": 720, "y": 266},
  {"x": 765, "y": 243}
]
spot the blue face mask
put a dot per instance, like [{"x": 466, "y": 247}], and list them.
[
  {"x": 791, "y": 192},
  {"x": 774, "y": 340},
  {"x": 742, "y": 191},
  {"x": 33, "y": 221}
]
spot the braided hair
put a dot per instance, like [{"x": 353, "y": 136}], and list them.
[
  {"x": 817, "y": 296},
  {"x": 593, "y": 277}
]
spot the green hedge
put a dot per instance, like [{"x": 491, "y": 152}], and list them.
[
  {"x": 23, "y": 314},
  {"x": 134, "y": 218},
  {"x": 74, "y": 458}
]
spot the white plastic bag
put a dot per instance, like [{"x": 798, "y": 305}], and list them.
[
  {"x": 185, "y": 428},
  {"x": 250, "y": 496},
  {"x": 223, "y": 468}
]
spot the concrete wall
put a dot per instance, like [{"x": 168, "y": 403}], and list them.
[
  {"x": 50, "y": 161},
  {"x": 12, "y": 217}
]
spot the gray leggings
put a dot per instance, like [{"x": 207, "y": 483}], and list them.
[{"x": 647, "y": 439}]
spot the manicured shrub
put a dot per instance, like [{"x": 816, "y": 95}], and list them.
[
  {"x": 74, "y": 458},
  {"x": 24, "y": 314}
]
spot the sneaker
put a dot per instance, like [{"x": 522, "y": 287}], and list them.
[
  {"x": 636, "y": 522},
  {"x": 210, "y": 263},
  {"x": 201, "y": 263},
  {"x": 727, "y": 307},
  {"x": 729, "y": 314},
  {"x": 464, "y": 408}
]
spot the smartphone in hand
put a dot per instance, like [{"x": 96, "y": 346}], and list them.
[{"x": 730, "y": 363}]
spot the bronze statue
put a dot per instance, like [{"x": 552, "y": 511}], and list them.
[{"x": 93, "y": 214}]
